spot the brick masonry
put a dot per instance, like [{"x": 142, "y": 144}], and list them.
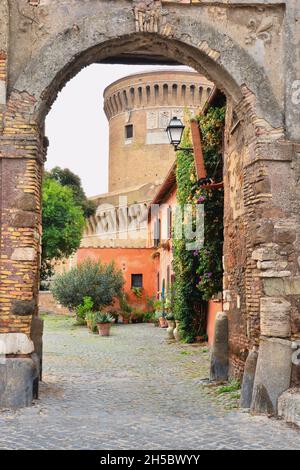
[{"x": 261, "y": 160}]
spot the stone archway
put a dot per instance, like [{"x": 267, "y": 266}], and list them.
[{"x": 261, "y": 251}]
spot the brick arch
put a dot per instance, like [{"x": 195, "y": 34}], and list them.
[{"x": 258, "y": 221}]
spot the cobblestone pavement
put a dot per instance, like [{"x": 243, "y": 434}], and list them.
[{"x": 132, "y": 390}]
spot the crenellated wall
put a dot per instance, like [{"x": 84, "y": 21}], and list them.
[{"x": 156, "y": 89}]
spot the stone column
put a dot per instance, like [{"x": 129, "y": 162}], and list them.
[
  {"x": 275, "y": 256},
  {"x": 219, "y": 353},
  {"x": 21, "y": 161},
  {"x": 261, "y": 252}
]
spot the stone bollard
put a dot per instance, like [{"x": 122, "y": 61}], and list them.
[
  {"x": 248, "y": 379},
  {"x": 273, "y": 374},
  {"x": 36, "y": 334},
  {"x": 16, "y": 382},
  {"x": 219, "y": 353}
]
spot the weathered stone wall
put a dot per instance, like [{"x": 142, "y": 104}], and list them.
[
  {"x": 250, "y": 50},
  {"x": 235, "y": 260},
  {"x": 20, "y": 231},
  {"x": 47, "y": 304}
]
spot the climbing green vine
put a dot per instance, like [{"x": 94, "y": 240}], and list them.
[{"x": 198, "y": 273}]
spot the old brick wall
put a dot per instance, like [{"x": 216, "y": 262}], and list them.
[
  {"x": 245, "y": 48},
  {"x": 238, "y": 297},
  {"x": 261, "y": 248}
]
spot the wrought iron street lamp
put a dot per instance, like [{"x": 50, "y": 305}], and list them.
[{"x": 175, "y": 130}]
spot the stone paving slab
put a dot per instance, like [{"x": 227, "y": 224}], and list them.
[{"x": 132, "y": 390}]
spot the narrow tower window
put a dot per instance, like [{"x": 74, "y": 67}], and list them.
[{"x": 129, "y": 131}]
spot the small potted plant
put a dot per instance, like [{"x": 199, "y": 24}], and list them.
[
  {"x": 125, "y": 317},
  {"x": 137, "y": 316},
  {"x": 89, "y": 317},
  {"x": 149, "y": 317},
  {"x": 160, "y": 314},
  {"x": 125, "y": 308},
  {"x": 82, "y": 309},
  {"x": 103, "y": 321}
]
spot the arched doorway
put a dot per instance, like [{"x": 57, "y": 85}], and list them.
[{"x": 260, "y": 254}]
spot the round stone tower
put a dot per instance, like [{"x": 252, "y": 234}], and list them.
[{"x": 139, "y": 108}]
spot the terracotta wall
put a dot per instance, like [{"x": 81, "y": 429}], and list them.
[
  {"x": 130, "y": 261},
  {"x": 214, "y": 306},
  {"x": 164, "y": 252}
]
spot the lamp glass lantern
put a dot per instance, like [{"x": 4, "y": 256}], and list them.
[{"x": 175, "y": 130}]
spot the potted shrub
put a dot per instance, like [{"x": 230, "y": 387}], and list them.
[
  {"x": 157, "y": 315},
  {"x": 103, "y": 321},
  {"x": 103, "y": 283},
  {"x": 89, "y": 317},
  {"x": 125, "y": 317},
  {"x": 137, "y": 316},
  {"x": 83, "y": 309},
  {"x": 149, "y": 317},
  {"x": 126, "y": 309},
  {"x": 115, "y": 314},
  {"x": 160, "y": 314}
]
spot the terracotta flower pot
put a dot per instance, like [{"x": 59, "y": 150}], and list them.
[
  {"x": 170, "y": 329},
  {"x": 104, "y": 328},
  {"x": 125, "y": 321},
  {"x": 163, "y": 322}
]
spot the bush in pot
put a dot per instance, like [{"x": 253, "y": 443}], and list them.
[
  {"x": 160, "y": 314},
  {"x": 115, "y": 314},
  {"x": 103, "y": 321},
  {"x": 137, "y": 316},
  {"x": 101, "y": 282},
  {"x": 149, "y": 317},
  {"x": 83, "y": 309},
  {"x": 90, "y": 317},
  {"x": 126, "y": 309}
]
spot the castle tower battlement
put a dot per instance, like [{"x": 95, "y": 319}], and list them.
[{"x": 139, "y": 108}]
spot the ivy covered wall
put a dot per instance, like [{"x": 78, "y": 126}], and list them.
[{"x": 198, "y": 273}]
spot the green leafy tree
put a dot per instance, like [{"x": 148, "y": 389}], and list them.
[
  {"x": 102, "y": 283},
  {"x": 63, "y": 224},
  {"x": 67, "y": 178}
]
